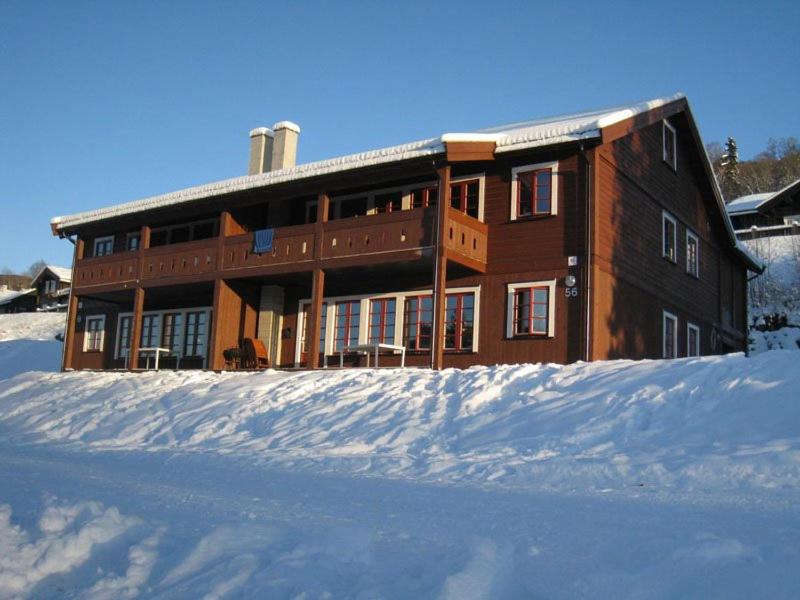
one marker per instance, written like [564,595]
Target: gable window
[459,321]
[692,254]
[381,320]
[669,335]
[692,340]
[104,245]
[424,197]
[534,190]
[668,228]
[95,332]
[531,309]
[669,153]
[348,316]
[50,286]
[418,330]
[465,196]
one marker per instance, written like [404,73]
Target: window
[195,335]
[692,254]
[50,286]
[669,335]
[94,334]
[185,232]
[133,241]
[424,197]
[458,321]
[418,324]
[352,207]
[381,320]
[465,196]
[124,336]
[692,340]
[171,332]
[348,314]
[668,226]
[104,245]
[534,190]
[149,337]
[311,211]
[669,147]
[531,309]
[389,201]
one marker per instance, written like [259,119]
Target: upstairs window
[133,241]
[424,197]
[534,190]
[389,202]
[50,286]
[104,245]
[669,145]
[669,335]
[465,197]
[95,332]
[692,254]
[531,309]
[668,228]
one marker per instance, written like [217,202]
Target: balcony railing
[386,237]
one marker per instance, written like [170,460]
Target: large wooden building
[583,237]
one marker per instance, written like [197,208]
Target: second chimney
[284,149]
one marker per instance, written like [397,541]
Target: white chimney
[284,149]
[261,141]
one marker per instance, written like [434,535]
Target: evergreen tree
[729,167]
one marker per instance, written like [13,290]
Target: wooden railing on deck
[101,270]
[377,234]
[293,244]
[187,258]
[466,236]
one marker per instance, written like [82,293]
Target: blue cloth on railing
[263,241]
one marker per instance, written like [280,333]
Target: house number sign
[571,292]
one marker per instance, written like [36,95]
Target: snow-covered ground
[623,479]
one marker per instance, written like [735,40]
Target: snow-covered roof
[6,297]
[517,136]
[747,204]
[63,273]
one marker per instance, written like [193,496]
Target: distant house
[52,286]
[767,214]
[15,283]
[16,301]
[580,237]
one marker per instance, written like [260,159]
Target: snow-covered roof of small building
[747,204]
[62,273]
[6,297]
[516,136]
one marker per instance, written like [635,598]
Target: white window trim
[666,315]
[100,240]
[691,235]
[160,314]
[664,157]
[363,329]
[101,330]
[690,327]
[553,165]
[665,216]
[511,288]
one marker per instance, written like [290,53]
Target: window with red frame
[307,323]
[458,321]
[389,202]
[464,196]
[531,311]
[381,321]
[418,328]
[348,314]
[534,192]
[424,197]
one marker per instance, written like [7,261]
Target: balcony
[390,237]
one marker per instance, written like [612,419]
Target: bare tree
[34,269]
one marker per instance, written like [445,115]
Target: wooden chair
[255,353]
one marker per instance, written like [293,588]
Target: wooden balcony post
[314,328]
[136,328]
[72,310]
[226,321]
[440,269]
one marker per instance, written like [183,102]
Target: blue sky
[105,102]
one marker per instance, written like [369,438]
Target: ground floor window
[94,334]
[304,328]
[692,340]
[183,332]
[418,330]
[459,320]
[382,320]
[348,315]
[196,332]
[124,336]
[531,309]
[670,335]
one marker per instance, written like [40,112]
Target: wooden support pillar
[314,328]
[72,311]
[226,322]
[440,269]
[136,328]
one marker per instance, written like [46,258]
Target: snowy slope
[620,479]
[27,342]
